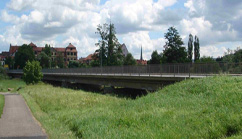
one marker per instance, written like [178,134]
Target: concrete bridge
[149,77]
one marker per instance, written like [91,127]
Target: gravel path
[17,120]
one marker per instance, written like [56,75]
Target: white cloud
[134,41]
[76,21]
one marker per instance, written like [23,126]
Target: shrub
[32,72]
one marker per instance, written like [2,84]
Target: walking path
[17,120]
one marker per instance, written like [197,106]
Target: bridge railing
[183,69]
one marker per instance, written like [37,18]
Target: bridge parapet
[145,77]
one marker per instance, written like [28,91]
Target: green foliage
[190,47]
[231,56]
[155,58]
[74,64]
[206,59]
[10,62]
[109,52]
[100,58]
[174,52]
[115,56]
[196,108]
[129,60]
[237,56]
[59,60]
[2,101]
[25,53]
[32,72]
[196,49]
[45,60]
[3,74]
[47,50]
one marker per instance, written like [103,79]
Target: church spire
[141,55]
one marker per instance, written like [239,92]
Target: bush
[32,72]
[3,74]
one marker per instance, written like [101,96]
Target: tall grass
[1,104]
[11,83]
[199,108]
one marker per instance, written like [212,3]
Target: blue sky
[137,22]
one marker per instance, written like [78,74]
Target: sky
[217,23]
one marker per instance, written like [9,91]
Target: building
[86,60]
[124,50]
[69,53]
[3,57]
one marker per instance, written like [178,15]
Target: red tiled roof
[71,46]
[60,49]
[89,57]
[13,49]
[32,45]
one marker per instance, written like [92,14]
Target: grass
[13,83]
[201,108]
[1,104]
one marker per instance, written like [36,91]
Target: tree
[100,57]
[59,60]
[196,49]
[237,56]
[25,53]
[10,62]
[115,55]
[44,59]
[155,58]
[32,72]
[47,50]
[190,47]
[206,59]
[174,52]
[129,60]
[109,52]
[73,64]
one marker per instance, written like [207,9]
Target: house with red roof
[69,53]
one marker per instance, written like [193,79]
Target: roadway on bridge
[17,120]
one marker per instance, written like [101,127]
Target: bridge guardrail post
[189,70]
[174,70]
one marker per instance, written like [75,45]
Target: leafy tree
[129,60]
[59,60]
[100,58]
[44,59]
[196,49]
[32,72]
[73,64]
[109,52]
[10,62]
[3,73]
[47,50]
[237,56]
[115,55]
[174,52]
[190,47]
[25,53]
[155,58]
[206,59]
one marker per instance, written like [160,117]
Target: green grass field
[14,84]
[1,104]
[201,108]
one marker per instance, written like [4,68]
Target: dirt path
[17,120]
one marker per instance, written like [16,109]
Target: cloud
[134,41]
[44,21]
